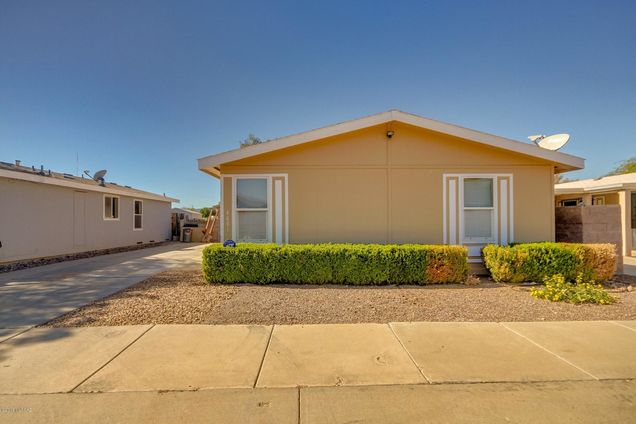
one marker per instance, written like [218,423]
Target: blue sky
[144,88]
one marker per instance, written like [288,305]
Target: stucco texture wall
[363,187]
[39,220]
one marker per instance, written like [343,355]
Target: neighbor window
[598,200]
[111,207]
[138,215]
[571,202]
[252,209]
[479,209]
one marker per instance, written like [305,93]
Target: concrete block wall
[590,224]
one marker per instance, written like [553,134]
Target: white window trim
[268,210]
[233,177]
[450,224]
[106,218]
[221,211]
[140,214]
[494,208]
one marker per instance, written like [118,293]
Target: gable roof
[612,182]
[32,174]
[563,161]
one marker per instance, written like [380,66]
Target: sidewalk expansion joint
[113,358]
[408,353]
[621,325]
[550,352]
[16,334]
[260,368]
[298,405]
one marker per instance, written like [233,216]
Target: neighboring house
[612,190]
[44,213]
[389,178]
[188,214]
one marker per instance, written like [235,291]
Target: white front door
[477,211]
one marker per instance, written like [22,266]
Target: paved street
[378,373]
[32,296]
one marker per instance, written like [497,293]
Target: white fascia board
[79,186]
[605,187]
[210,164]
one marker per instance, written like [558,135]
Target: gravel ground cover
[182,297]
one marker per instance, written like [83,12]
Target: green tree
[251,140]
[205,212]
[624,167]
[559,178]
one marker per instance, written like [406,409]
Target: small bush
[536,261]
[558,290]
[357,264]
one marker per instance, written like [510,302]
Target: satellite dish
[553,142]
[99,175]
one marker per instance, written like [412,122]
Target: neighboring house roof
[563,161]
[190,211]
[35,175]
[613,182]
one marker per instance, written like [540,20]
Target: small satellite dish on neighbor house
[99,175]
[553,142]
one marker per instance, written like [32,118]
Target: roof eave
[208,166]
[606,187]
[34,178]
[564,162]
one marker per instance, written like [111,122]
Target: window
[479,210]
[571,202]
[252,209]
[138,211]
[111,207]
[598,200]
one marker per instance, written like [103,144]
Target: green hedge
[358,264]
[537,261]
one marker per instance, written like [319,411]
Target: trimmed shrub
[536,261]
[356,264]
[556,289]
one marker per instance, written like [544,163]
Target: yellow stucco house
[392,177]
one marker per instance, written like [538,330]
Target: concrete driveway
[629,265]
[32,296]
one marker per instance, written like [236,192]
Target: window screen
[478,208]
[251,193]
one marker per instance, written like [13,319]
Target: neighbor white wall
[37,220]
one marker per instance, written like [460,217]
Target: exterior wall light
[390,133]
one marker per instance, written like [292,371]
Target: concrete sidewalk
[32,296]
[400,372]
